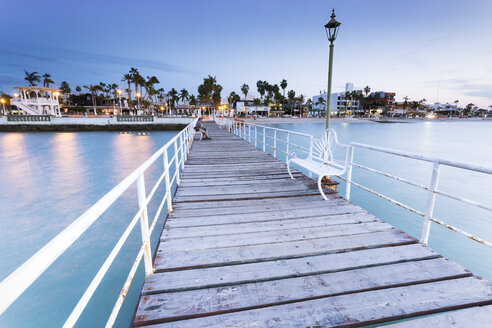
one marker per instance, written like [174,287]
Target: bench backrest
[323,147]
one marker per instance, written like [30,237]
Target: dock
[246,246]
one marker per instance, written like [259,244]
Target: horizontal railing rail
[134,118]
[245,130]
[28,118]
[18,281]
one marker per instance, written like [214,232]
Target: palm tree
[173,97]
[136,79]
[300,99]
[128,78]
[233,97]
[367,90]
[93,89]
[405,102]
[65,88]
[32,78]
[261,86]
[283,85]
[47,80]
[113,89]
[209,91]
[184,95]
[192,101]
[257,101]
[245,89]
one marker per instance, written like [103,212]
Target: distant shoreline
[72,124]
[274,120]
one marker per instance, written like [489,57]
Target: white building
[37,100]
[247,108]
[338,101]
[439,106]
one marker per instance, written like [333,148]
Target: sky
[439,50]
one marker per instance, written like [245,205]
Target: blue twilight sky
[434,49]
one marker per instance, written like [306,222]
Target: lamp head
[332,27]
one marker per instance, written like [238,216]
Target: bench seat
[323,164]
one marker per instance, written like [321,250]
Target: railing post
[244,130]
[183,151]
[349,172]
[310,147]
[165,159]
[256,136]
[249,133]
[310,152]
[176,161]
[287,146]
[275,143]
[144,224]
[431,199]
[264,138]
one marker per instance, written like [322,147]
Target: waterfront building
[341,102]
[437,106]
[380,101]
[34,100]
[247,107]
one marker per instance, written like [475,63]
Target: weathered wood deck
[246,246]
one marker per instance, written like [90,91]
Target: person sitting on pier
[199,127]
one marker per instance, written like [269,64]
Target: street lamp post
[3,104]
[137,95]
[119,92]
[331,28]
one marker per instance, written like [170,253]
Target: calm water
[49,179]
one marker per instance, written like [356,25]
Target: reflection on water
[47,180]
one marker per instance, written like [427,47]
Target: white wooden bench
[198,133]
[321,162]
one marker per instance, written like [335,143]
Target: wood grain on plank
[356,309]
[212,301]
[268,252]
[281,269]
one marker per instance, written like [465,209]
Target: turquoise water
[468,142]
[49,179]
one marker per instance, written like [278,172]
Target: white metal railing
[245,130]
[18,281]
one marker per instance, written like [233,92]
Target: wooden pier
[246,246]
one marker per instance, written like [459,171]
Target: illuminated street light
[2,100]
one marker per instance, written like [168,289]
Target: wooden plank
[272,222]
[219,238]
[219,181]
[476,317]
[301,201]
[233,227]
[224,215]
[212,301]
[245,189]
[239,196]
[282,269]
[270,252]
[356,309]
